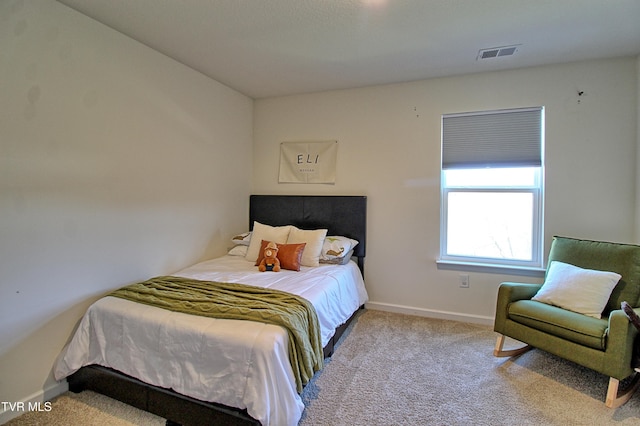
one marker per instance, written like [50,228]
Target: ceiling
[266,48]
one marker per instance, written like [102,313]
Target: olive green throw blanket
[242,302]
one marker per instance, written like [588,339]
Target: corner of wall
[637,203]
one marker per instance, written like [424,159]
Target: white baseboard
[34,402]
[430,313]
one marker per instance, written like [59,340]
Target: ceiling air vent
[497,52]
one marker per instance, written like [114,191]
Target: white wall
[116,164]
[389,150]
[637,234]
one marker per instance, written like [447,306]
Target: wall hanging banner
[308,162]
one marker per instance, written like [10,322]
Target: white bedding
[241,364]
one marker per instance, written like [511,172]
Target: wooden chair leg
[615,400]
[499,352]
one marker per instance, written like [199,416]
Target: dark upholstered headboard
[340,214]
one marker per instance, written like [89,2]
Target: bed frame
[340,215]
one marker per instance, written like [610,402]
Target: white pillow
[239,250]
[338,260]
[336,247]
[585,291]
[277,234]
[314,239]
[241,239]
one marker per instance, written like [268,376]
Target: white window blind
[502,138]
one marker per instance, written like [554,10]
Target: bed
[226,371]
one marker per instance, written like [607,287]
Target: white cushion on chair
[585,291]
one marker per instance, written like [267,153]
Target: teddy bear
[270,261]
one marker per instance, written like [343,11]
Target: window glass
[495,225]
[497,177]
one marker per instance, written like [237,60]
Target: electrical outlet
[464,281]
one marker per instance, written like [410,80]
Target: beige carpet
[396,369]
[87,409]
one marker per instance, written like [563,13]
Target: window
[492,188]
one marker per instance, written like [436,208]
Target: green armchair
[601,344]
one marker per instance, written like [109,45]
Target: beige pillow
[313,239]
[277,234]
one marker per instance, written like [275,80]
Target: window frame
[536,190]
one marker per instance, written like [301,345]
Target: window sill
[490,268]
